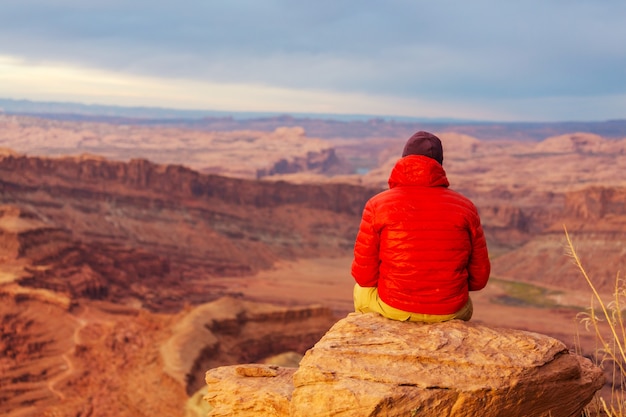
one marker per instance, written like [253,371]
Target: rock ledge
[367,365]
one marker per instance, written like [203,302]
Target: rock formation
[595,218]
[47,257]
[89,226]
[231,330]
[583,143]
[103,359]
[241,153]
[367,365]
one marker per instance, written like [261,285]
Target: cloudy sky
[528,60]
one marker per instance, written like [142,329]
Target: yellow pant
[366,300]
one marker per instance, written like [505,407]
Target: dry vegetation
[605,318]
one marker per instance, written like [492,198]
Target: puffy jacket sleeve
[366,250]
[479,266]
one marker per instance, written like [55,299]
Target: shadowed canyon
[134,257]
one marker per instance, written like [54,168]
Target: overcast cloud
[488,59]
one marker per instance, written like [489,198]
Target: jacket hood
[418,170]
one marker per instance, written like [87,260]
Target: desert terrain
[134,257]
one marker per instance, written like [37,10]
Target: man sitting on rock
[420,247]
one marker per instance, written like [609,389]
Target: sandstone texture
[250,390]
[367,365]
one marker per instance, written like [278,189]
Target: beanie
[424,143]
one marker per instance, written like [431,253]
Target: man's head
[424,143]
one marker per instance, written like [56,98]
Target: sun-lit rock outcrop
[367,365]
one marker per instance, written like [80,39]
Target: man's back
[420,243]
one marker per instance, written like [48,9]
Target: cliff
[366,365]
[109,360]
[595,217]
[86,227]
[230,331]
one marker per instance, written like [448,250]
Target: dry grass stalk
[608,325]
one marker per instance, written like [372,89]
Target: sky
[492,60]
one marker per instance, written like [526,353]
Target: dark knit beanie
[424,143]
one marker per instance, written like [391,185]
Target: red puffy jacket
[421,243]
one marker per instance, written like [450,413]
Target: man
[420,247]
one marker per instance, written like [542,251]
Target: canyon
[121,244]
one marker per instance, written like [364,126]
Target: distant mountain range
[58,109]
[315,124]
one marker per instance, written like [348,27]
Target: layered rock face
[230,330]
[596,221]
[107,360]
[36,254]
[367,365]
[87,227]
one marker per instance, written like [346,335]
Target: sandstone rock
[253,390]
[367,365]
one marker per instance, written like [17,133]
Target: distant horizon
[75,108]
